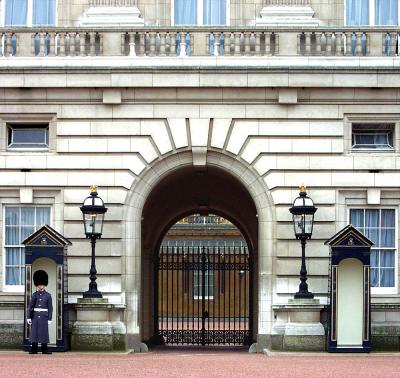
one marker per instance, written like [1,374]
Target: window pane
[44,12]
[357,12]
[16,11]
[387,238]
[12,215]
[387,218]
[386,12]
[374,277]
[12,235]
[42,216]
[374,258]
[28,216]
[13,276]
[13,256]
[214,12]
[387,277]
[29,135]
[386,259]
[26,231]
[357,218]
[185,12]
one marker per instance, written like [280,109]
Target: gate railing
[199,41]
[204,295]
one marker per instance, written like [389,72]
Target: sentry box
[46,249]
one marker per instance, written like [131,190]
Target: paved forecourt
[197,362]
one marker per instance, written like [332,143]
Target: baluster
[87,44]
[169,44]
[157,44]
[216,45]
[363,44]
[61,42]
[67,44]
[222,44]
[257,46]
[237,44]
[152,44]
[358,44]
[333,44]
[8,47]
[211,43]
[162,44]
[47,44]
[188,40]
[267,43]
[82,44]
[301,42]
[72,45]
[132,45]
[92,43]
[182,46]
[56,44]
[252,44]
[387,44]
[178,43]
[321,46]
[36,44]
[344,43]
[353,44]
[232,39]
[274,43]
[142,47]
[246,43]
[77,44]
[307,44]
[98,40]
[3,43]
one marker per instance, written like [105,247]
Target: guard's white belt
[40,309]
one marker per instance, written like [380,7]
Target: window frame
[25,126]
[199,274]
[371,20]
[29,16]
[199,21]
[16,288]
[384,290]
[381,149]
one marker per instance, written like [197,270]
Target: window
[28,136]
[198,284]
[372,136]
[372,12]
[200,12]
[20,222]
[30,12]
[379,225]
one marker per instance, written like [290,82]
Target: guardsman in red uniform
[40,312]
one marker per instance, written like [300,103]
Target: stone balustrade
[113,3]
[288,2]
[201,41]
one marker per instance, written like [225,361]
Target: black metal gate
[204,295]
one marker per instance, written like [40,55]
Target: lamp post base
[92,294]
[304,295]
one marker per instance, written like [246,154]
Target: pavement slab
[198,362]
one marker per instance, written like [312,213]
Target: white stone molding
[112,16]
[287,13]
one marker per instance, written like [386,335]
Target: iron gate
[204,295]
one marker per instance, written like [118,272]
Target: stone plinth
[298,326]
[98,325]
[287,15]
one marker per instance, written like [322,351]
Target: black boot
[34,348]
[45,350]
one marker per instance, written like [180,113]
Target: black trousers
[34,348]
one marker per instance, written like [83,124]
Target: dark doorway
[204,284]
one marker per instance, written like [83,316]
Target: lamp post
[93,211]
[302,211]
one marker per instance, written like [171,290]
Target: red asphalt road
[197,363]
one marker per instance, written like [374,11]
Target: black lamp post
[303,210]
[93,211]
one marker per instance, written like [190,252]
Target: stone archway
[138,280]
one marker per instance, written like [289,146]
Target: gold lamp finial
[303,188]
[93,189]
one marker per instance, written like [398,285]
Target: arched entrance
[185,191]
[172,188]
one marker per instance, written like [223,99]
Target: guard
[40,313]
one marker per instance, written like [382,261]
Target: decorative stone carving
[287,13]
[112,14]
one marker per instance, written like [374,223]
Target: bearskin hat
[40,277]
